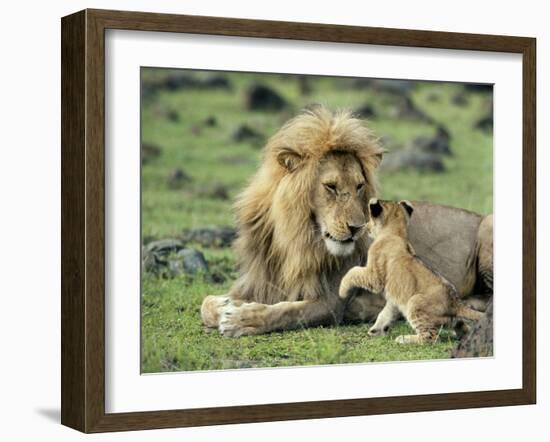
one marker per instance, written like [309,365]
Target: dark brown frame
[83,216]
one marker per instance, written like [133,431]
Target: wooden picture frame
[83,220]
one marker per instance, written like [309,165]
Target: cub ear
[289,159]
[375,208]
[407,206]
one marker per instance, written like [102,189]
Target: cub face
[385,215]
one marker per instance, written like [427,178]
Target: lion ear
[407,206]
[289,159]
[375,208]
[379,156]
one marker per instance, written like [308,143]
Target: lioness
[410,287]
[301,223]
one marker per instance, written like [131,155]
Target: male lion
[411,288]
[301,228]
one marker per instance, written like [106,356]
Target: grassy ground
[172,335]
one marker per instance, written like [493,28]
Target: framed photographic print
[268,221]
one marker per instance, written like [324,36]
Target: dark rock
[393,87]
[304,85]
[181,80]
[164,246]
[211,236]
[218,191]
[479,341]
[178,179]
[173,116]
[433,97]
[155,254]
[193,261]
[216,82]
[358,83]
[263,98]
[167,114]
[149,152]
[485,122]
[244,133]
[152,263]
[210,121]
[405,109]
[438,144]
[443,133]
[168,258]
[459,99]
[412,160]
[365,111]
[479,87]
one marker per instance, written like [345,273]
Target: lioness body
[300,230]
[426,299]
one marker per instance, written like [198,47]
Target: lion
[425,298]
[301,223]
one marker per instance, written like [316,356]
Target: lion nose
[354,229]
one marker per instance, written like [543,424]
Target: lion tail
[466,312]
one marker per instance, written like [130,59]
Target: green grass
[173,338]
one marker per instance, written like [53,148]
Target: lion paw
[211,309]
[242,320]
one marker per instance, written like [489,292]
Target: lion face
[339,202]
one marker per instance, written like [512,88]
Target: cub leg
[364,277]
[385,319]
[425,318]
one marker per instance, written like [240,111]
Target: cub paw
[350,281]
[376,331]
[407,339]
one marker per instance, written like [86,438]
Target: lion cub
[425,298]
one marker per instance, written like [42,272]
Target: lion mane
[280,254]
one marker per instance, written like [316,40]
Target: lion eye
[360,186]
[331,187]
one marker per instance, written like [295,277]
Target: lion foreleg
[213,306]
[254,318]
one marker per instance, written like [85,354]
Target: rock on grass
[168,258]
[437,144]
[149,152]
[404,108]
[192,261]
[412,160]
[485,121]
[211,236]
[365,111]
[177,179]
[264,98]
[164,246]
[217,191]
[245,133]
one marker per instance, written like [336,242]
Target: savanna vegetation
[202,134]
